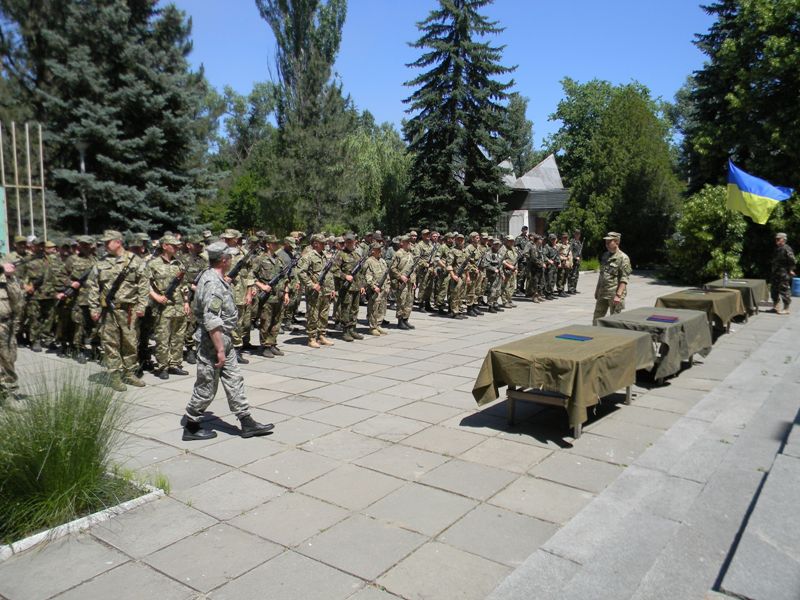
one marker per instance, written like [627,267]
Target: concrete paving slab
[229,495]
[337,392]
[625,431]
[152,526]
[390,428]
[649,417]
[542,499]
[378,401]
[576,471]
[402,461]
[499,535]
[505,454]
[29,576]
[372,593]
[420,508]
[410,390]
[297,431]
[131,581]
[441,571]
[290,519]
[427,412]
[344,445]
[238,452]
[212,557]
[136,453]
[340,416]
[290,576]
[296,406]
[468,479]
[291,468]
[186,470]
[362,546]
[617,451]
[443,440]
[351,487]
[550,571]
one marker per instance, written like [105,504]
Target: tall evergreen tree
[113,75]
[458,118]
[518,147]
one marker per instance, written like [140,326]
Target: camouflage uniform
[494,277]
[510,285]
[10,304]
[83,328]
[118,327]
[455,292]
[286,255]
[48,276]
[550,267]
[473,251]
[270,311]
[374,271]
[424,278]
[240,287]
[614,269]
[318,303]
[195,264]
[783,263]
[404,292]
[348,295]
[169,320]
[577,250]
[214,307]
[564,265]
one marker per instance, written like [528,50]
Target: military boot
[114,381]
[355,334]
[37,347]
[346,336]
[240,358]
[265,351]
[325,341]
[191,356]
[133,380]
[312,343]
[374,332]
[251,427]
[401,324]
[492,309]
[409,325]
[275,350]
[193,431]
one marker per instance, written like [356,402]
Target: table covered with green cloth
[753,291]
[679,340]
[722,305]
[583,371]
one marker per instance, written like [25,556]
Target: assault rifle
[70,292]
[245,262]
[324,273]
[354,271]
[115,285]
[173,285]
[462,267]
[284,272]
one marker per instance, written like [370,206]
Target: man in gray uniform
[217,317]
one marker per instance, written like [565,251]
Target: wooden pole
[41,177]
[16,175]
[30,181]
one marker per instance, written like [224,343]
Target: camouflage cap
[318,237]
[50,244]
[378,232]
[261,234]
[551,236]
[144,237]
[85,239]
[405,238]
[424,231]
[338,239]
[349,237]
[564,234]
[169,239]
[194,238]
[412,233]
[270,239]
[458,235]
[207,233]
[376,246]
[111,234]
[484,234]
[231,234]
[377,236]
[576,230]
[474,234]
[613,235]
[396,239]
[289,241]
[449,234]
[509,238]
[495,241]
[20,239]
[780,236]
[253,239]
[216,250]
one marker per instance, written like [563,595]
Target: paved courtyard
[382,479]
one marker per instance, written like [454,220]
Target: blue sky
[617,40]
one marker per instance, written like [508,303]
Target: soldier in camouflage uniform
[510,268]
[335,248]
[350,287]
[484,247]
[472,274]
[169,295]
[402,276]
[550,266]
[10,304]
[118,322]
[242,289]
[564,264]
[270,311]
[80,266]
[215,312]
[456,258]
[194,262]
[319,291]
[494,275]
[424,247]
[287,255]
[19,257]
[612,285]
[441,277]
[45,279]
[576,246]
[783,263]
[536,267]
[376,280]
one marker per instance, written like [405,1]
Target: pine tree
[458,119]
[113,75]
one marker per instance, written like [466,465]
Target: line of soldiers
[128,302]
[550,268]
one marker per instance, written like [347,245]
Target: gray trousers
[208,378]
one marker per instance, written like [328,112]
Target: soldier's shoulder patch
[215,305]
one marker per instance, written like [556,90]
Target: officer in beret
[217,317]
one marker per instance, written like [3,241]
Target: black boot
[191,357]
[265,351]
[251,427]
[442,311]
[477,310]
[275,350]
[356,335]
[177,371]
[401,324]
[192,431]
[409,325]
[492,309]
[242,360]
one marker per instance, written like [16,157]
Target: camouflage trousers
[471,288]
[509,287]
[493,289]
[243,325]
[290,309]
[424,285]
[781,289]
[348,307]
[604,305]
[119,337]
[455,294]
[574,274]
[41,321]
[317,306]
[269,324]
[191,326]
[440,290]
[8,356]
[404,297]
[376,309]
[562,273]
[550,280]
[208,378]
[169,333]
[82,327]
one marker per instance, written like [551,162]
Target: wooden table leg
[628,395]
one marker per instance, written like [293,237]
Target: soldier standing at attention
[403,281]
[440,274]
[215,311]
[783,263]
[319,291]
[511,268]
[494,275]
[565,265]
[79,265]
[164,273]
[10,304]
[192,258]
[266,267]
[473,274]
[123,273]
[350,287]
[286,255]
[612,285]
[377,284]
[424,247]
[242,291]
[456,284]
[46,277]
[576,246]
[550,266]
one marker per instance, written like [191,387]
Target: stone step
[665,527]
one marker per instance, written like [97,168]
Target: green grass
[55,453]
[590,264]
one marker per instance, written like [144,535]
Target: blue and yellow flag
[752,196]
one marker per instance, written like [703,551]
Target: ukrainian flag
[752,196]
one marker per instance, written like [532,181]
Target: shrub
[590,264]
[55,454]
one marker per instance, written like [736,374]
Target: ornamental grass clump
[55,450]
